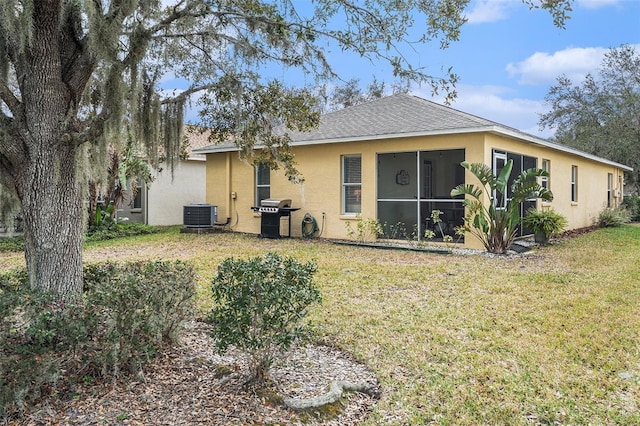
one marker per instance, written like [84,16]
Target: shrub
[545,222]
[260,305]
[632,204]
[366,230]
[120,230]
[440,228]
[609,217]
[28,368]
[127,312]
[145,301]
[13,281]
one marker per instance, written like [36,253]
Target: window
[545,180]
[609,190]
[136,187]
[351,184]
[263,182]
[499,161]
[520,163]
[574,184]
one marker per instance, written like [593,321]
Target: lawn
[552,337]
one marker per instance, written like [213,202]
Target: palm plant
[496,223]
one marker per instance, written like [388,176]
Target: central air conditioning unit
[200,215]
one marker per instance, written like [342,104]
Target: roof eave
[558,147]
[465,130]
[217,148]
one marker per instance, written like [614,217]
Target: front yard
[552,337]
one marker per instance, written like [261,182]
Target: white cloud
[493,103]
[486,11]
[483,11]
[543,68]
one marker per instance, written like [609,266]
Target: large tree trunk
[51,208]
[46,181]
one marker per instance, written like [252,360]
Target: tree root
[333,395]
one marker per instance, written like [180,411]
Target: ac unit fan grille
[200,215]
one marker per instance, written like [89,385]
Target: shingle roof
[404,115]
[393,115]
[197,140]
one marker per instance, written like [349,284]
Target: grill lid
[270,202]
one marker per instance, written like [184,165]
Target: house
[161,202]
[396,160]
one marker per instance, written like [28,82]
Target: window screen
[351,184]
[545,180]
[574,184]
[263,182]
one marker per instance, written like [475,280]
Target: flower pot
[540,237]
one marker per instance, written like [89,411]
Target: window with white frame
[499,162]
[545,180]
[574,184]
[351,184]
[609,190]
[263,182]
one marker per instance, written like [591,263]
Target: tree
[121,184]
[601,115]
[350,93]
[491,217]
[75,73]
[347,95]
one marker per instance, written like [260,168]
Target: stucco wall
[166,197]
[592,180]
[320,193]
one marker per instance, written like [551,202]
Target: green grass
[549,338]
[11,244]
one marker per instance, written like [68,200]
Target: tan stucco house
[396,159]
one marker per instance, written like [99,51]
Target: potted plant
[544,223]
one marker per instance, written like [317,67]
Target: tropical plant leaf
[545,194]
[528,190]
[496,225]
[533,173]
[503,178]
[482,172]
[469,189]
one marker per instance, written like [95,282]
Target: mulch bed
[576,232]
[189,384]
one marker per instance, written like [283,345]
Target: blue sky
[508,56]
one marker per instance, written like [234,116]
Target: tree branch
[92,131]
[12,150]
[7,172]
[333,395]
[10,100]
[190,91]
[142,36]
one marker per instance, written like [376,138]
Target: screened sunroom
[411,185]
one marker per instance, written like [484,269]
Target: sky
[508,57]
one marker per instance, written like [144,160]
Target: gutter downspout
[228,186]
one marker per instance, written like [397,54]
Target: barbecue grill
[271,211]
